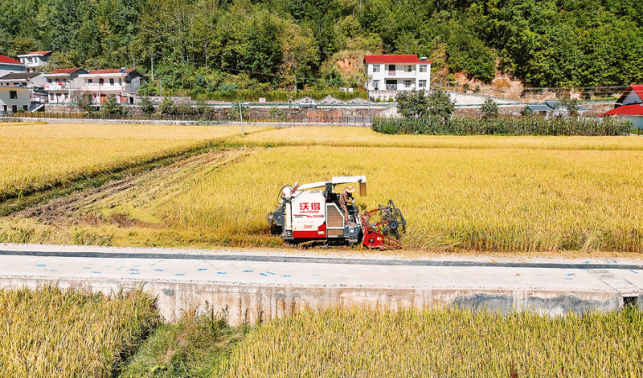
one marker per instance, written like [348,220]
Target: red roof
[7,60]
[633,109]
[95,72]
[65,70]
[39,53]
[637,88]
[392,59]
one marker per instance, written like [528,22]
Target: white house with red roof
[10,65]
[62,83]
[630,106]
[390,74]
[34,59]
[122,83]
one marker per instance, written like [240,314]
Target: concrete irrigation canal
[260,285]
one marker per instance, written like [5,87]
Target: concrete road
[258,284]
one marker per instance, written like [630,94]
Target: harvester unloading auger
[314,212]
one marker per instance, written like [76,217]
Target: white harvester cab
[313,211]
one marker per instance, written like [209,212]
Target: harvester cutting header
[316,212]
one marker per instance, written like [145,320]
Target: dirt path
[140,191]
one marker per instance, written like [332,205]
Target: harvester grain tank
[314,212]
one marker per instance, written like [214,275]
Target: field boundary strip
[318,260]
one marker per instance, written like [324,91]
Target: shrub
[168,106]
[503,126]
[489,109]
[146,106]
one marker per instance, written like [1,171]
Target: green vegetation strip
[526,125]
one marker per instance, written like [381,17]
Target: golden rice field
[53,333]
[453,199]
[35,156]
[441,343]
[364,137]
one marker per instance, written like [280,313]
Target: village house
[34,60]
[390,74]
[553,108]
[34,81]
[61,84]
[630,106]
[122,83]
[14,99]
[10,65]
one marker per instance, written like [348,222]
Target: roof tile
[392,59]
[6,59]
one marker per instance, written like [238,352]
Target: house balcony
[57,86]
[95,87]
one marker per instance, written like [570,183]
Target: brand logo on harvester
[308,207]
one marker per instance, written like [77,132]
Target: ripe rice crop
[365,137]
[36,156]
[441,343]
[504,125]
[53,333]
[453,199]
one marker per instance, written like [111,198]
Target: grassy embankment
[480,193]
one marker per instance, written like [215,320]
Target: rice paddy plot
[473,199]
[35,156]
[54,333]
[441,343]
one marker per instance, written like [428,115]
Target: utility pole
[152,57]
[241,115]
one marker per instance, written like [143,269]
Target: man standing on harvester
[346,198]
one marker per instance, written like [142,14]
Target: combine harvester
[314,212]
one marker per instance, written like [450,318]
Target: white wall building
[35,59]
[390,74]
[122,84]
[9,65]
[14,99]
[62,83]
[35,81]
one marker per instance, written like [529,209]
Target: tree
[83,100]
[489,109]
[440,105]
[572,105]
[168,106]
[238,107]
[146,106]
[412,104]
[113,107]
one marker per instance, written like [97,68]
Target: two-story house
[34,60]
[10,65]
[62,83]
[390,74]
[14,100]
[123,84]
[34,81]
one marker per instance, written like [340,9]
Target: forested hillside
[199,44]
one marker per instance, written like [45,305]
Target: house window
[101,81]
[120,81]
[51,97]
[376,84]
[376,68]
[13,95]
[25,107]
[422,67]
[66,96]
[49,81]
[409,68]
[422,84]
[111,82]
[407,83]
